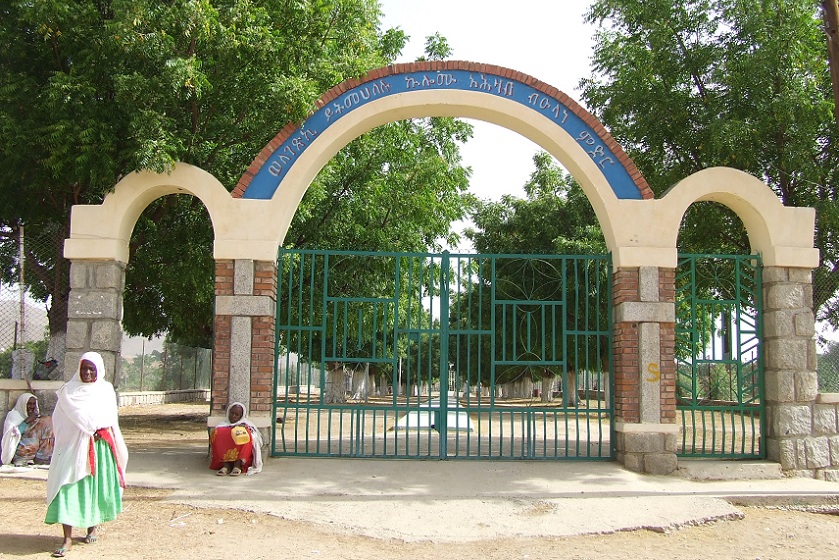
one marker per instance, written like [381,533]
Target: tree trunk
[334,390]
[56,349]
[569,390]
[371,381]
[361,383]
[548,379]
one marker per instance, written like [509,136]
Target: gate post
[645,369]
[243,349]
[94,314]
[800,429]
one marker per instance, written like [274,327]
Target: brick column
[645,369]
[802,430]
[94,314]
[221,340]
[243,353]
[262,342]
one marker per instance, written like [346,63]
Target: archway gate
[443,356]
[640,231]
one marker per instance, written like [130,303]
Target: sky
[546,39]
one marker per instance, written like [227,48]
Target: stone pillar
[94,314]
[800,428]
[243,351]
[645,369]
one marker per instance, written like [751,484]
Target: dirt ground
[152,528]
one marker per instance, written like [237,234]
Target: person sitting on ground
[27,435]
[236,444]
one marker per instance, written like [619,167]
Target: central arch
[287,165]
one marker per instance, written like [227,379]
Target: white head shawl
[256,436]
[11,432]
[82,409]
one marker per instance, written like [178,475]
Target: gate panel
[718,350]
[444,356]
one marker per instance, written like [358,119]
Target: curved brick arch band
[270,167]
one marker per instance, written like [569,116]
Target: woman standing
[85,482]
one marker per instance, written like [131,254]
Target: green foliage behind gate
[440,355]
[719,390]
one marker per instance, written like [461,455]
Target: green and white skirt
[93,499]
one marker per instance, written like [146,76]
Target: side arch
[782,235]
[103,231]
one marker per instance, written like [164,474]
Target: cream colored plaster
[626,428]
[103,231]
[467,104]
[782,235]
[638,232]
[647,232]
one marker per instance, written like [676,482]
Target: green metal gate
[405,355]
[719,390]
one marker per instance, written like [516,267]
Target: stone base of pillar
[647,448]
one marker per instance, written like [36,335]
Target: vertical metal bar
[445,268]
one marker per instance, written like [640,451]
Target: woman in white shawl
[236,451]
[84,487]
[27,436]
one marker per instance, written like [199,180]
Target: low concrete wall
[816,455]
[11,389]
[129,398]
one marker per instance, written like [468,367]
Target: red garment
[225,450]
[108,436]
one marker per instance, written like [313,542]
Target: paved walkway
[467,500]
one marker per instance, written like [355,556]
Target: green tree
[92,91]
[397,188]
[554,218]
[741,83]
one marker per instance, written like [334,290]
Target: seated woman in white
[27,435]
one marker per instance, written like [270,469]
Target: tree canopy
[93,91]
[742,83]
[555,217]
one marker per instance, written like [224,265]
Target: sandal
[59,552]
[90,538]
[236,471]
[224,471]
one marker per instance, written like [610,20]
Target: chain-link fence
[164,366]
[824,285]
[31,269]
[25,350]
